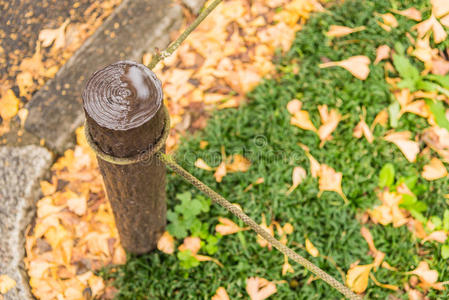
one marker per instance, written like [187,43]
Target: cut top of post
[122,96]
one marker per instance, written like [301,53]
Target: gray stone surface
[194,5]
[136,26]
[20,171]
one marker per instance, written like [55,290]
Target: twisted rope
[169,161]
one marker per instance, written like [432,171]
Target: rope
[168,160]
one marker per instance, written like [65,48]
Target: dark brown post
[125,117]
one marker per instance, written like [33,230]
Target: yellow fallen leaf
[226,227]
[329,122]
[220,294]
[408,147]
[339,31]
[220,172]
[431,24]
[381,119]
[201,164]
[203,144]
[286,267]
[48,36]
[237,163]
[47,188]
[357,278]
[294,106]
[411,13]
[357,65]
[298,175]
[6,283]
[382,52]
[311,248]
[9,105]
[259,288]
[302,120]
[389,20]
[329,180]
[166,243]
[439,236]
[434,170]
[440,7]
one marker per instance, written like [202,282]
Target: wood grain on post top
[123,107]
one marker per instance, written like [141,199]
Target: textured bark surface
[137,191]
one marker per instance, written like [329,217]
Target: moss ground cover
[261,131]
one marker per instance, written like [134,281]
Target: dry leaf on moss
[440,7]
[201,164]
[357,65]
[191,243]
[329,180]
[294,106]
[311,248]
[357,278]
[298,175]
[425,274]
[382,52]
[226,227]
[237,163]
[220,172]
[259,288]
[439,236]
[434,170]
[220,294]
[286,267]
[6,283]
[302,120]
[166,243]
[381,119]
[329,122]
[389,211]
[411,13]
[260,240]
[339,31]
[437,138]
[362,129]
[431,24]
[408,147]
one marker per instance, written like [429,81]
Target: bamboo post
[125,117]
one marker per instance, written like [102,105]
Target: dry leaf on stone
[382,52]
[298,175]
[6,283]
[411,13]
[357,278]
[220,294]
[434,170]
[339,31]
[311,248]
[329,180]
[166,243]
[357,65]
[259,288]
[402,139]
[226,227]
[48,36]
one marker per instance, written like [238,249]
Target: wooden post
[125,116]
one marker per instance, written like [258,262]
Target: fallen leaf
[6,283]
[389,20]
[389,211]
[166,243]
[357,65]
[439,236]
[311,248]
[259,288]
[381,119]
[201,164]
[402,139]
[119,257]
[339,31]
[314,165]
[383,285]
[440,7]
[302,120]
[220,172]
[78,205]
[431,24]
[286,267]
[366,234]
[434,170]
[220,294]
[411,13]
[48,36]
[237,163]
[191,243]
[260,240]
[329,122]
[415,295]
[226,227]
[9,105]
[425,274]
[382,52]
[357,277]
[363,129]
[298,175]
[329,180]
[437,138]
[294,106]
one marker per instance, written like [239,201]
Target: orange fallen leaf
[439,236]
[166,243]
[431,24]
[329,180]
[411,13]
[311,248]
[357,65]
[48,36]
[302,120]
[201,164]
[220,294]
[314,165]
[382,52]
[434,170]
[298,175]
[329,122]
[408,147]
[339,31]
[259,288]
[9,105]
[6,283]
[357,277]
[226,227]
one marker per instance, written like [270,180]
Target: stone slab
[21,168]
[136,26]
